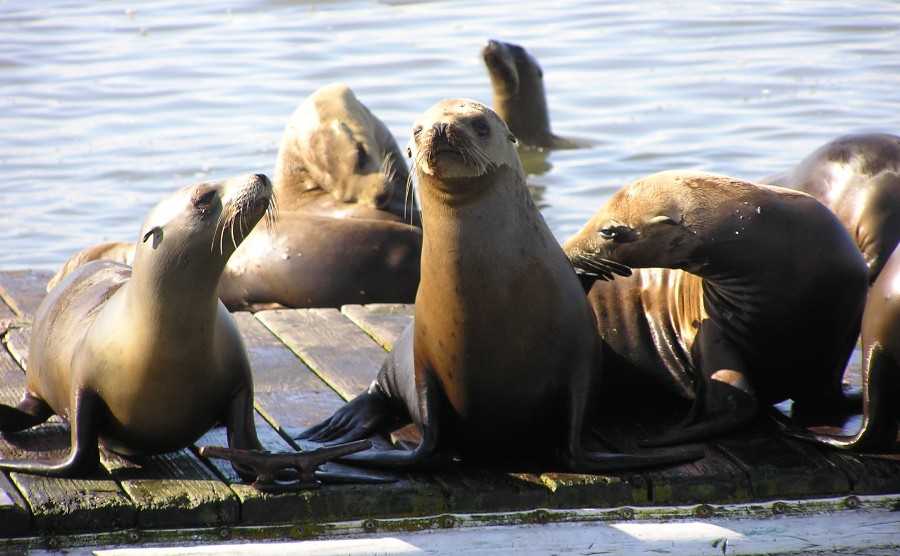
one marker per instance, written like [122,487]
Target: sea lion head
[204,222]
[462,139]
[333,142]
[662,220]
[517,81]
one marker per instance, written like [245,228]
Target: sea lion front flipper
[241,429]
[84,455]
[29,412]
[360,417]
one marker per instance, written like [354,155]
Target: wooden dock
[306,363]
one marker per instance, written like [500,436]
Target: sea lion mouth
[243,208]
[598,267]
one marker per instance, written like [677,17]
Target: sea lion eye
[481,127]
[416,131]
[619,234]
[362,157]
[203,200]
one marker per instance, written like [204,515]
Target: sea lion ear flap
[408,152]
[157,234]
[671,216]
[512,139]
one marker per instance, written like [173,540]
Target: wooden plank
[23,290]
[712,479]
[779,467]
[15,517]
[384,322]
[173,490]
[95,503]
[292,397]
[325,340]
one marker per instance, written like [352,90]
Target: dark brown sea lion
[146,359]
[338,159]
[501,357]
[519,97]
[857,177]
[747,295]
[880,368]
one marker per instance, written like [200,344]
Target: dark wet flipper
[355,420]
[30,412]
[295,470]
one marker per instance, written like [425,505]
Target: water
[106,107]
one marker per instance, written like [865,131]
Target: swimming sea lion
[519,98]
[146,359]
[501,357]
[857,177]
[755,297]
[338,159]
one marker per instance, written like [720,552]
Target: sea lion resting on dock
[857,177]
[146,359]
[344,232]
[756,296]
[501,358]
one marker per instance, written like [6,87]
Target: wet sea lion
[857,177]
[880,368]
[501,357]
[146,359]
[519,97]
[755,297]
[338,159]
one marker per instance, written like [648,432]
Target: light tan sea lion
[746,295]
[146,359]
[502,358]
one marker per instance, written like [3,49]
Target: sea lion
[344,233]
[146,359]
[880,369]
[519,98]
[117,251]
[501,357]
[307,260]
[857,177]
[338,159]
[746,295]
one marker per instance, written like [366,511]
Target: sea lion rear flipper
[878,430]
[84,455]
[730,403]
[29,412]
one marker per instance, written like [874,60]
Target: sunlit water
[106,107]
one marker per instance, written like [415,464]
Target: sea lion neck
[457,193]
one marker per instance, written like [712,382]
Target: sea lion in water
[880,369]
[501,357]
[857,177]
[338,159]
[755,297]
[146,359]
[519,97]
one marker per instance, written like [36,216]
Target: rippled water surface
[106,107]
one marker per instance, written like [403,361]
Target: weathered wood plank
[326,340]
[95,503]
[292,397]
[15,517]
[383,321]
[173,490]
[23,290]
[712,479]
[779,467]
